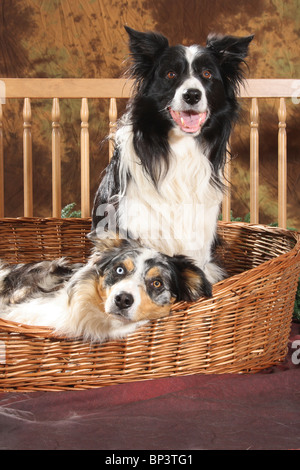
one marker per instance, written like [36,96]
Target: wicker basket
[244,328]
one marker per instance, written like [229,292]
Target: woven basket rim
[267,228]
[233,281]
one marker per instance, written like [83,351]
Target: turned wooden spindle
[254,162]
[27,159]
[85,160]
[56,160]
[282,164]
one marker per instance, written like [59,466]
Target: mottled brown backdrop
[86,38]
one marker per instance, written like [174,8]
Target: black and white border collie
[122,286]
[164,182]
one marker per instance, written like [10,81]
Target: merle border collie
[164,184]
[121,287]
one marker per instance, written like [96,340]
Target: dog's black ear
[229,46]
[147,44]
[231,52]
[144,48]
[191,282]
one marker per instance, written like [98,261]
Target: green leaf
[68,212]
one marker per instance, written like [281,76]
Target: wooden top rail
[67,87]
[121,88]
[269,88]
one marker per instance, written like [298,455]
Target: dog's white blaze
[190,53]
[191,82]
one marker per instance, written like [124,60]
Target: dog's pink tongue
[188,121]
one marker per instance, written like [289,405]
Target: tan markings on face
[149,310]
[193,279]
[90,294]
[129,265]
[101,291]
[153,272]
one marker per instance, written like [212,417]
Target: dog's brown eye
[157,284]
[206,74]
[171,75]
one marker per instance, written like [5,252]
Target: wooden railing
[120,88]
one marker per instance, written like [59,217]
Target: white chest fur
[181,216]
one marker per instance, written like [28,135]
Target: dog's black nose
[192,96]
[124,300]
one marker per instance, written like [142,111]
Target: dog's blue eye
[120,270]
